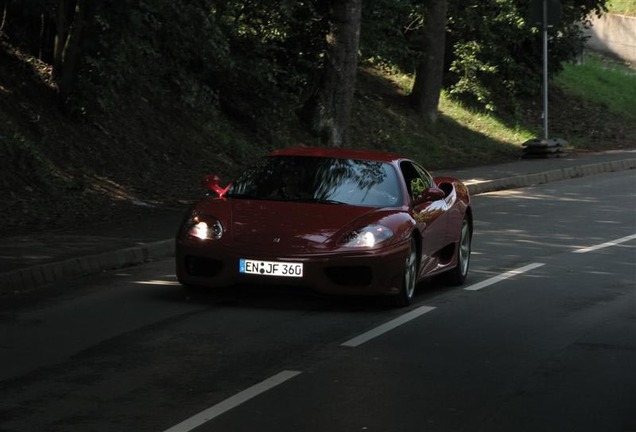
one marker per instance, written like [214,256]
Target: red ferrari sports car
[338,221]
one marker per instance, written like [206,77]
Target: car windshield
[320,180]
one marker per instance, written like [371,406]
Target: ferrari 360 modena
[337,221]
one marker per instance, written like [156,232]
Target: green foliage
[388,36]
[468,66]
[143,50]
[249,59]
[493,55]
[258,61]
[276,47]
[489,41]
[496,54]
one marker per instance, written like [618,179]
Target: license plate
[270,268]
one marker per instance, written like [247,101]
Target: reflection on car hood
[289,225]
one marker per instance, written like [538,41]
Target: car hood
[291,225]
[286,225]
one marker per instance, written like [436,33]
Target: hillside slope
[62,168]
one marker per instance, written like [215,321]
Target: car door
[429,214]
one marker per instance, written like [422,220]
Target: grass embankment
[603,82]
[591,105]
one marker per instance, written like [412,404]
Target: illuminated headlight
[205,228]
[368,236]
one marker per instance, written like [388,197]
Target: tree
[430,70]
[495,53]
[70,22]
[330,107]
[390,33]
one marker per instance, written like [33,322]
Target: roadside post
[544,13]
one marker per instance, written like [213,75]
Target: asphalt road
[541,338]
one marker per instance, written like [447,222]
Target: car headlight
[368,236]
[205,228]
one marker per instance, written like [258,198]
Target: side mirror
[212,183]
[430,194]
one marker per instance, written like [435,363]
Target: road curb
[526,180]
[30,278]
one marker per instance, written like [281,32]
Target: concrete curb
[30,278]
[526,180]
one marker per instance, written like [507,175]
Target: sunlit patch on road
[158,282]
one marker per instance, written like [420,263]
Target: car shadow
[294,298]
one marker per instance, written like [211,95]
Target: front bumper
[368,272]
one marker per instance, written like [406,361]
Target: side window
[427,179]
[416,178]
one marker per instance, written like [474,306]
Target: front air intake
[204,267]
[350,275]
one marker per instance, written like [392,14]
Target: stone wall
[615,35]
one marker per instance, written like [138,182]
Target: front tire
[457,276]
[405,297]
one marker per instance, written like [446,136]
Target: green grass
[622,7]
[461,137]
[487,124]
[591,106]
[604,82]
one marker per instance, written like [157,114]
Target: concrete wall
[614,34]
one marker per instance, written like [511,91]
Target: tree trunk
[330,108]
[61,34]
[4,17]
[72,17]
[430,71]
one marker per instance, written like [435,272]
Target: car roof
[338,153]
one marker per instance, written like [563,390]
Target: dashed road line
[232,402]
[242,397]
[388,326]
[503,276]
[606,244]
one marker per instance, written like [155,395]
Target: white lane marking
[503,276]
[388,326]
[604,245]
[232,402]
